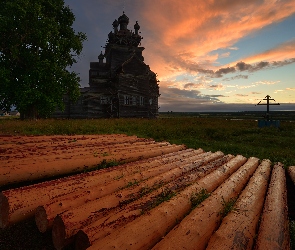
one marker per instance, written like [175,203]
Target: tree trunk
[31,113]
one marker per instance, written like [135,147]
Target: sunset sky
[210,55]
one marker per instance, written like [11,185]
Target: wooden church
[120,83]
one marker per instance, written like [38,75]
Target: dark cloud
[193,85]
[241,66]
[235,77]
[221,71]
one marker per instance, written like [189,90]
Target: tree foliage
[37,45]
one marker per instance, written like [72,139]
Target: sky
[209,55]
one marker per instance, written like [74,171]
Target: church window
[141,100]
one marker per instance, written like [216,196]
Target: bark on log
[238,228]
[197,228]
[121,216]
[46,213]
[273,230]
[145,231]
[76,218]
[19,204]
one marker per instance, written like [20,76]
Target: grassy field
[211,134]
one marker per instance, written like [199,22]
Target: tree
[37,46]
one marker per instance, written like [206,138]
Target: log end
[4,211]
[82,241]
[41,219]
[58,233]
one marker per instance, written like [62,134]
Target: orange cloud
[180,34]
[281,52]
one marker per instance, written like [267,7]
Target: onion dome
[101,56]
[123,21]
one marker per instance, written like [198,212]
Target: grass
[198,198]
[212,134]
[228,206]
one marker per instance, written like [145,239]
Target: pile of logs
[146,201]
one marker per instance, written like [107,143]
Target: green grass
[228,206]
[198,198]
[212,134]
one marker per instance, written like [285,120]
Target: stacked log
[238,228]
[42,167]
[273,230]
[145,231]
[87,193]
[119,217]
[78,217]
[19,204]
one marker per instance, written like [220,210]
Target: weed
[228,206]
[95,154]
[102,165]
[74,140]
[119,177]
[165,195]
[197,198]
[105,154]
[132,183]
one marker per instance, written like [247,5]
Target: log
[291,172]
[238,228]
[20,203]
[79,153]
[197,228]
[113,219]
[145,231]
[38,170]
[24,156]
[78,217]
[45,214]
[273,230]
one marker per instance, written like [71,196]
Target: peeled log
[145,231]
[19,204]
[119,217]
[291,172]
[42,169]
[23,151]
[79,217]
[45,214]
[197,227]
[238,228]
[273,231]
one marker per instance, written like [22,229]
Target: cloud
[235,77]
[293,89]
[280,55]
[217,86]
[194,30]
[267,82]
